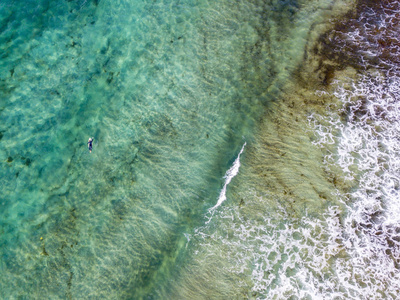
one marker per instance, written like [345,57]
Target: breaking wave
[229,175]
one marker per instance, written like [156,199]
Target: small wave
[232,172]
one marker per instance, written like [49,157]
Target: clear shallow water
[171,91]
[304,224]
[303,237]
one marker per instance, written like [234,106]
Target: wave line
[232,172]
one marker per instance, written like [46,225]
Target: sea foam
[229,175]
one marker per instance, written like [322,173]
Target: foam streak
[232,172]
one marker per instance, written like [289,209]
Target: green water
[170,91]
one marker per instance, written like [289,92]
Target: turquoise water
[171,91]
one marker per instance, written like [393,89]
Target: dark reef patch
[335,52]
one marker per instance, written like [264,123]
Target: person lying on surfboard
[90,145]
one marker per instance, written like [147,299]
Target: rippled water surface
[219,170]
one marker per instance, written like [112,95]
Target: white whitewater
[229,175]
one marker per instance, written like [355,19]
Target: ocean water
[242,150]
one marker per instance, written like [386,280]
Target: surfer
[90,145]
